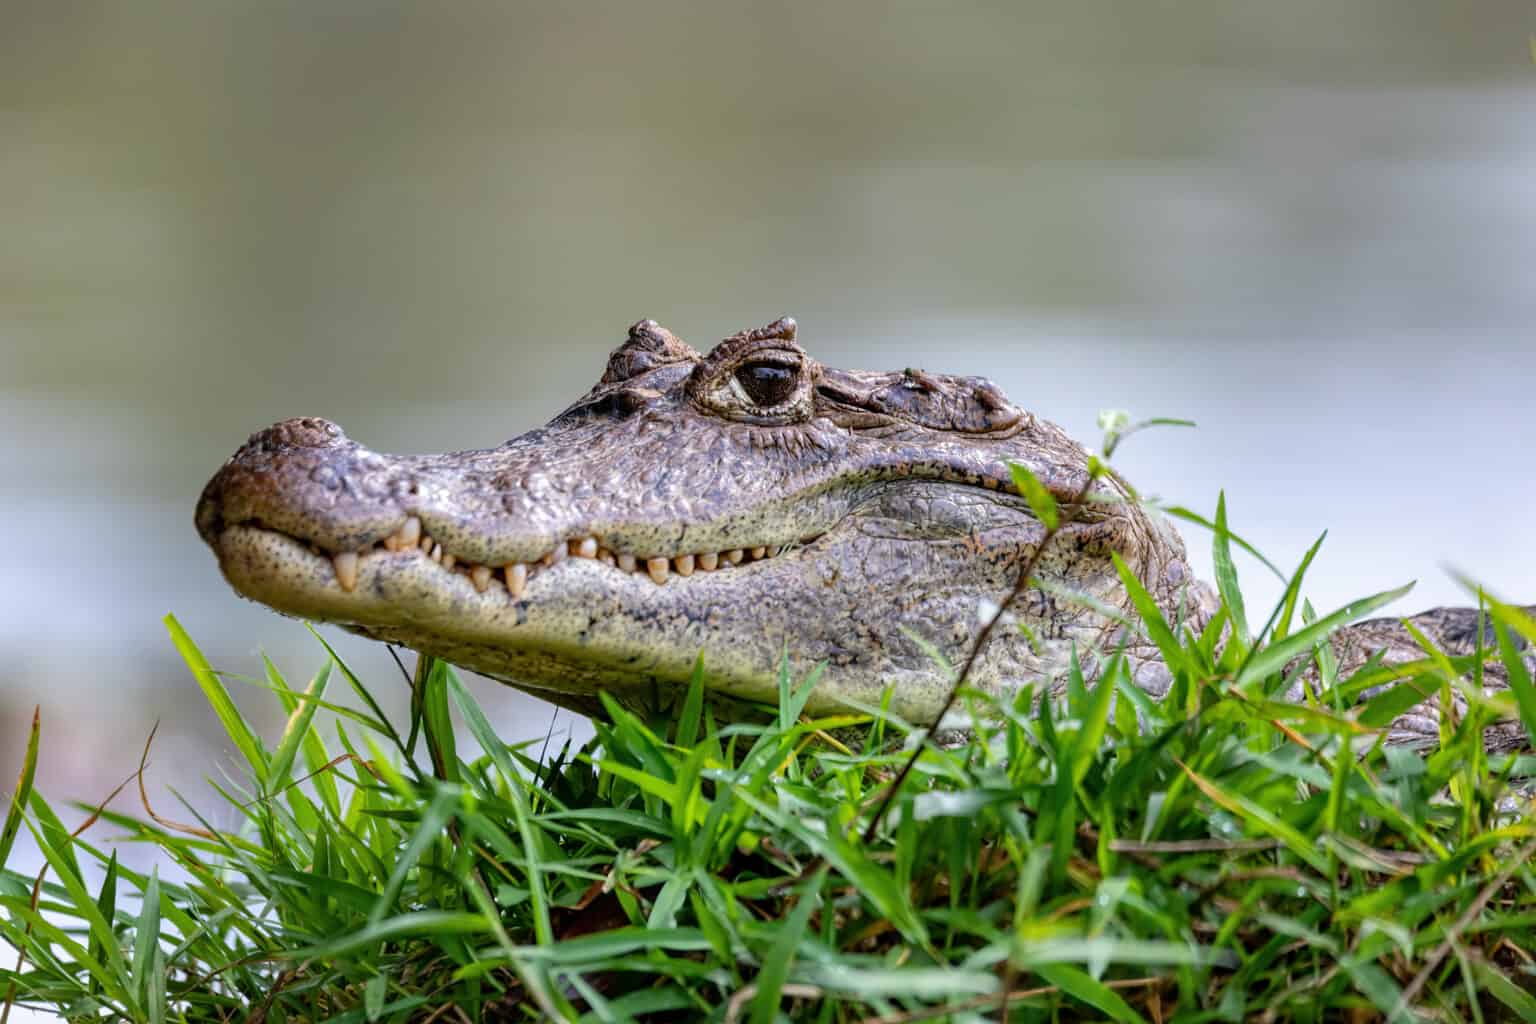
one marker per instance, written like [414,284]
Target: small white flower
[986,610]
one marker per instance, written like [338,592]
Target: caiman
[750,504]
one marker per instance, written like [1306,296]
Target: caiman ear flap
[649,345]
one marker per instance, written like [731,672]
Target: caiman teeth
[410,537]
[517,579]
[410,533]
[404,538]
[346,570]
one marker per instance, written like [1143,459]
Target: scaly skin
[880,505]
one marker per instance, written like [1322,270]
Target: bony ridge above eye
[760,377]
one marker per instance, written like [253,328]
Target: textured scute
[886,499]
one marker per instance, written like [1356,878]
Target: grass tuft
[1094,854]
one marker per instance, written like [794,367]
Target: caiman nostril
[303,432]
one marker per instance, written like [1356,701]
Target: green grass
[1214,855]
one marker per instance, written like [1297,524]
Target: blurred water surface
[1309,227]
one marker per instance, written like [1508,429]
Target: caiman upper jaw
[305,480]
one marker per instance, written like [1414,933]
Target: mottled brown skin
[1453,630]
[887,497]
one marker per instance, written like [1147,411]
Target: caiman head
[749,505]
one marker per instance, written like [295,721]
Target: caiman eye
[767,383]
[759,377]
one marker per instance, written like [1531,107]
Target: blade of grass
[296,729]
[1262,817]
[1151,617]
[1081,986]
[84,907]
[428,831]
[218,697]
[414,924]
[1279,619]
[1520,683]
[106,902]
[1041,503]
[23,793]
[146,939]
[1190,516]
[1226,572]
[436,722]
[363,694]
[775,970]
[693,706]
[1275,656]
[480,727]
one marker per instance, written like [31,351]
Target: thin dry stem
[1026,572]
[997,999]
[1467,916]
[793,990]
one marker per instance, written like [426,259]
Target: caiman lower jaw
[580,627]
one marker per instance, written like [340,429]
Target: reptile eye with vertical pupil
[767,383]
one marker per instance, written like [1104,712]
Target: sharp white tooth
[659,569]
[683,564]
[584,548]
[437,552]
[480,576]
[346,570]
[410,533]
[627,563]
[517,579]
[759,552]
[736,556]
[709,561]
[449,561]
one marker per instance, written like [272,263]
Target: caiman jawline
[515,575]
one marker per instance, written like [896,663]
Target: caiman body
[749,504]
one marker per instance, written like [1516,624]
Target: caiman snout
[304,477]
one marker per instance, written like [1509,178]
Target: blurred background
[1310,227]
